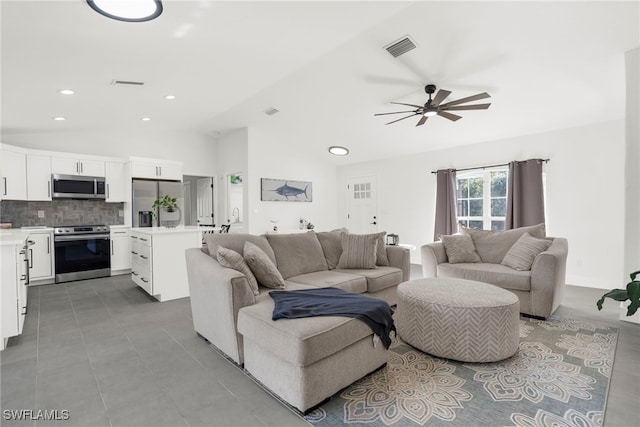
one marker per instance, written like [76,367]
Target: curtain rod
[487,166]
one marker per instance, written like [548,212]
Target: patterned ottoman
[458,319]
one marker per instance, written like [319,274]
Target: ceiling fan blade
[395,112]
[449,116]
[467,107]
[402,118]
[422,120]
[408,105]
[482,95]
[440,96]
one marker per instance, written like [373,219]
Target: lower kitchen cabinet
[13,288]
[41,257]
[158,263]
[120,250]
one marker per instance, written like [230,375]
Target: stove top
[81,229]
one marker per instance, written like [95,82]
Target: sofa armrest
[432,254]
[217,294]
[400,257]
[548,274]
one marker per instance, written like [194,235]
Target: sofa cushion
[495,274]
[235,242]
[358,251]
[379,278]
[262,267]
[460,248]
[333,279]
[524,251]
[300,342]
[232,259]
[331,242]
[492,246]
[297,253]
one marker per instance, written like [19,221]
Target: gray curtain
[525,197]
[446,218]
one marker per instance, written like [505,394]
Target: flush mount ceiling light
[146,119]
[337,150]
[59,119]
[128,10]
[170,97]
[66,92]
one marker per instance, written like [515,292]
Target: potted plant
[168,204]
[631,293]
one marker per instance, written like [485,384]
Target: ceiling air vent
[401,46]
[271,111]
[126,83]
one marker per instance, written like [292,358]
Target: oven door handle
[80,237]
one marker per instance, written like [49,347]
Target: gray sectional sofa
[538,288]
[306,360]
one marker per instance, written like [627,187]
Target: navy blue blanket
[335,302]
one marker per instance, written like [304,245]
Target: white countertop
[164,230]
[13,236]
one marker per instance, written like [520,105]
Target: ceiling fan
[434,107]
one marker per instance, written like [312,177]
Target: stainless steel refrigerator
[145,192]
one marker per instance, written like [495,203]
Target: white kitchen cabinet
[158,263]
[38,177]
[77,166]
[120,250]
[114,179]
[40,254]
[13,288]
[13,168]
[156,169]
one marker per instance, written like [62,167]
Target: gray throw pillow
[331,242]
[262,267]
[492,246]
[232,259]
[358,251]
[381,249]
[297,253]
[460,248]
[522,254]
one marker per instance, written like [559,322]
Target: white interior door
[362,205]
[205,201]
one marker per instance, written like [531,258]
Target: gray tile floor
[112,356]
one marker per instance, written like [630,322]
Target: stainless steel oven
[82,252]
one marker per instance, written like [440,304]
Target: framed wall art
[282,190]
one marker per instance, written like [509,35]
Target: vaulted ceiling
[547,65]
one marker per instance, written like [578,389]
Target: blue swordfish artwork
[288,191]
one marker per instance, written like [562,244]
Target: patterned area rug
[559,377]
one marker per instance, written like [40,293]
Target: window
[362,191]
[482,199]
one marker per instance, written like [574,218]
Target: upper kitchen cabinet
[13,170]
[114,179]
[156,169]
[76,166]
[38,177]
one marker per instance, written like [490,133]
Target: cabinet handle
[135,253]
[134,237]
[78,167]
[48,244]
[5,185]
[81,167]
[112,247]
[143,239]
[23,277]
[134,273]
[145,281]
[24,313]
[119,232]
[48,188]
[160,168]
[144,257]
[31,258]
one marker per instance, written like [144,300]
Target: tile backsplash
[61,212]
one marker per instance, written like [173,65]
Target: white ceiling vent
[401,46]
[126,83]
[271,111]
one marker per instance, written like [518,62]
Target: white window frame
[485,174]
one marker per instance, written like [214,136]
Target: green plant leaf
[634,274]
[633,290]
[615,294]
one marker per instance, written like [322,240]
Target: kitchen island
[158,262]
[14,281]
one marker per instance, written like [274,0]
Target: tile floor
[112,356]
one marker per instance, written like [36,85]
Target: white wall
[269,158]
[585,190]
[195,150]
[632,166]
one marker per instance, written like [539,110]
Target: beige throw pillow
[460,248]
[262,267]
[232,259]
[358,251]
[381,249]
[492,246]
[522,254]
[331,242]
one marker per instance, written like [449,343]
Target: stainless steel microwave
[77,187]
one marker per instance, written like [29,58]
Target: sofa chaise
[492,256]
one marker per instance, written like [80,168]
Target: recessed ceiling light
[170,97]
[146,119]
[128,11]
[337,150]
[66,92]
[59,119]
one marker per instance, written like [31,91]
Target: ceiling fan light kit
[435,107]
